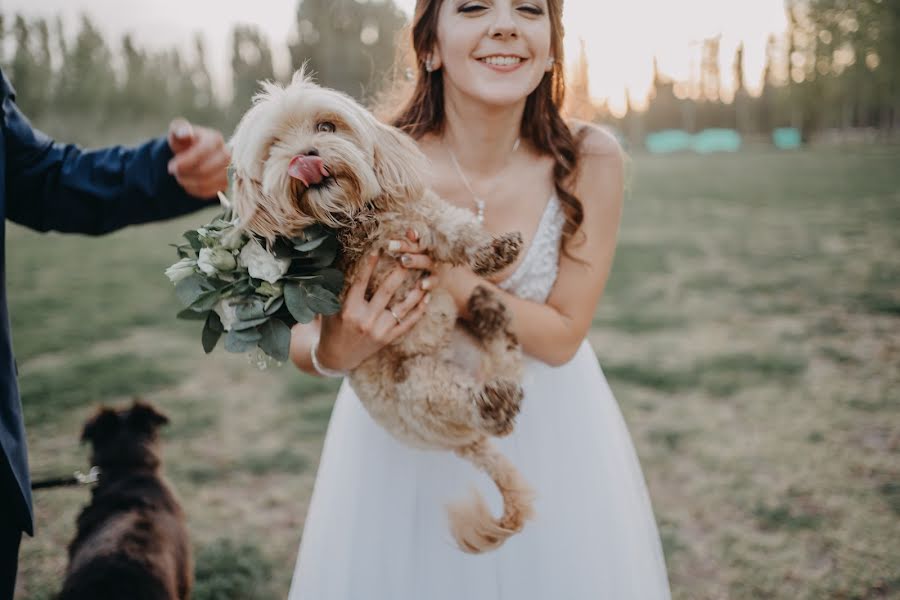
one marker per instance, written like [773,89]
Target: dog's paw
[488,316]
[501,253]
[498,403]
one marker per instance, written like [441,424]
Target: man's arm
[51,186]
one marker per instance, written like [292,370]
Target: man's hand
[200,164]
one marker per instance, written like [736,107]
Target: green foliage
[227,570]
[250,293]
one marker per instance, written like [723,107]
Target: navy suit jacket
[49,186]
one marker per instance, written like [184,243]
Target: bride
[485,110]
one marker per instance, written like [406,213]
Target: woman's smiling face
[494,51]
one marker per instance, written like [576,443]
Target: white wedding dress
[377,526]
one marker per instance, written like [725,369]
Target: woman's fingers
[422,262]
[409,321]
[401,309]
[357,291]
[398,247]
[386,290]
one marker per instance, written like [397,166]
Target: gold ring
[393,314]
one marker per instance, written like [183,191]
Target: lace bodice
[534,277]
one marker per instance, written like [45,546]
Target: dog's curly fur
[132,541]
[442,385]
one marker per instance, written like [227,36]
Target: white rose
[212,260]
[262,265]
[232,239]
[227,311]
[183,268]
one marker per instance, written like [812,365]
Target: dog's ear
[145,418]
[399,166]
[101,427]
[250,207]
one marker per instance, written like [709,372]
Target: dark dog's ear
[145,418]
[101,427]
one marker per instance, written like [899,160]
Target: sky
[621,36]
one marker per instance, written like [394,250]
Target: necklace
[479,203]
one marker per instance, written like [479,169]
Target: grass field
[750,331]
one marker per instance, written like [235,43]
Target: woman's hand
[363,327]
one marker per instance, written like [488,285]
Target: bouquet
[253,293]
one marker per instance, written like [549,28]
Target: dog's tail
[474,527]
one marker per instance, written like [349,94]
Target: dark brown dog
[132,541]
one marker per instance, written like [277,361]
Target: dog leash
[77,478]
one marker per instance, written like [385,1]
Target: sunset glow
[621,37]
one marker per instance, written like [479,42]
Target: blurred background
[750,328]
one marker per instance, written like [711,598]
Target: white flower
[212,260]
[261,264]
[227,311]
[232,238]
[183,268]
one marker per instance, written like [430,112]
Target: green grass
[748,331]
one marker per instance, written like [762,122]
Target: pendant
[480,213]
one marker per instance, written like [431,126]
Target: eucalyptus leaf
[190,289]
[276,339]
[236,343]
[252,309]
[193,239]
[206,301]
[212,331]
[330,279]
[248,335]
[309,245]
[295,297]
[190,314]
[273,305]
[241,325]
[321,300]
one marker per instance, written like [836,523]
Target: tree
[87,79]
[349,45]
[251,62]
[578,102]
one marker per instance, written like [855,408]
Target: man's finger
[188,160]
[212,168]
[181,135]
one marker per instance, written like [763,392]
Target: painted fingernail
[426,284]
[415,235]
[183,131]
[394,246]
[405,260]
[427,298]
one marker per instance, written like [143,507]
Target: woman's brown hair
[542,125]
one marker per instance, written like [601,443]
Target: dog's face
[305,154]
[125,437]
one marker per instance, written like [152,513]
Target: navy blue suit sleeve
[51,186]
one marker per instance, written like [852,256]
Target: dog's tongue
[310,170]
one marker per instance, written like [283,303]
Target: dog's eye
[325,127]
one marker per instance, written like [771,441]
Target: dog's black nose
[310,152]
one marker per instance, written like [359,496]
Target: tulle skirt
[377,526]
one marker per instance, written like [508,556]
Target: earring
[429,64]
[550,61]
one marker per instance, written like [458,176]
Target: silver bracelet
[317,366]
